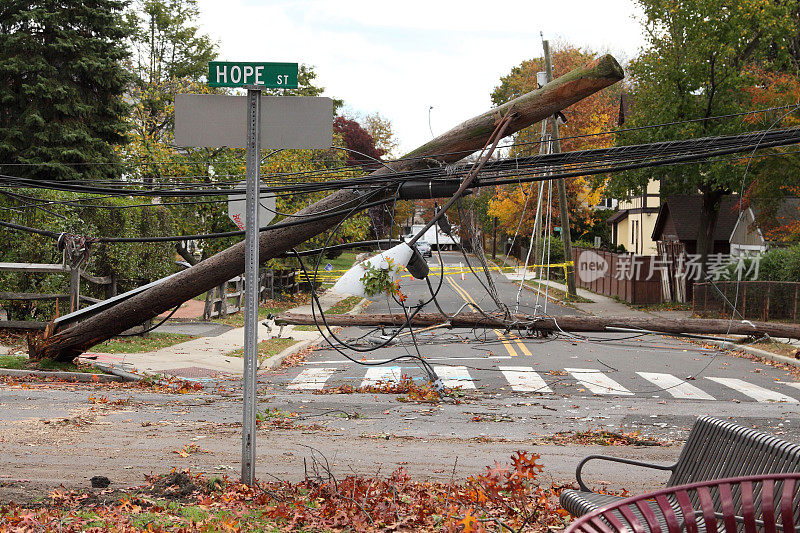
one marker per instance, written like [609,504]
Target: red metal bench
[767,502]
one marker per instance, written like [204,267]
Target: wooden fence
[218,300]
[633,278]
[74,297]
[756,300]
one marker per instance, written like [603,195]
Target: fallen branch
[697,326]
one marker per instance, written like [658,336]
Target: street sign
[241,74]
[237,207]
[238,122]
[213,120]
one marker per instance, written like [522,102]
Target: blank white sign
[211,120]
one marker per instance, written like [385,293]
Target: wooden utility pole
[448,148]
[580,323]
[562,189]
[494,237]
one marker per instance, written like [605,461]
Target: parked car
[424,248]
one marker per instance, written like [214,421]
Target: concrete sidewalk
[207,358]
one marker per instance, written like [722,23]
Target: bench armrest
[616,460]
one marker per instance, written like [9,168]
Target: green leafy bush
[132,263]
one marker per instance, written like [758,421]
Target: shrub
[70,213]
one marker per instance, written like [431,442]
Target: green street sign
[239,74]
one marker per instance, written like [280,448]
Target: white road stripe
[597,382]
[380,375]
[675,386]
[455,376]
[524,379]
[340,361]
[759,394]
[312,378]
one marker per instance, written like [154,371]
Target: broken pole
[693,326]
[449,147]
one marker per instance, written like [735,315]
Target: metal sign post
[212,120]
[253,160]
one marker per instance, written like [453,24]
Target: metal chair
[767,502]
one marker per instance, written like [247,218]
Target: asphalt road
[652,369]
[506,394]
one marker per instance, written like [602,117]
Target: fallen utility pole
[448,148]
[694,326]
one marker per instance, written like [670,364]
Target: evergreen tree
[61,88]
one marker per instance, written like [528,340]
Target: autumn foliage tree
[776,177]
[515,205]
[362,152]
[696,65]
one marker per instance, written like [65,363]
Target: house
[679,220]
[632,226]
[754,230]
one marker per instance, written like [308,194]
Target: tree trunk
[696,326]
[709,212]
[447,148]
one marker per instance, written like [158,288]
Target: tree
[694,66]
[380,129]
[166,43]
[61,86]
[776,177]
[170,56]
[363,153]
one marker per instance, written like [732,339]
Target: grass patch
[13,362]
[339,308]
[274,307]
[343,306]
[557,294]
[780,348]
[267,348]
[20,362]
[343,262]
[137,344]
[665,306]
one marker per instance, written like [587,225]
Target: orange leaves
[772,89]
[470,523]
[506,493]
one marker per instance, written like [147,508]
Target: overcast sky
[400,58]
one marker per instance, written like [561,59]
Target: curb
[276,360]
[756,351]
[74,376]
[124,375]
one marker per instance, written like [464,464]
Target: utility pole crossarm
[447,148]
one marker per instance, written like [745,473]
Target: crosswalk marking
[759,394]
[312,378]
[792,384]
[597,382]
[380,375]
[675,386]
[455,376]
[524,379]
